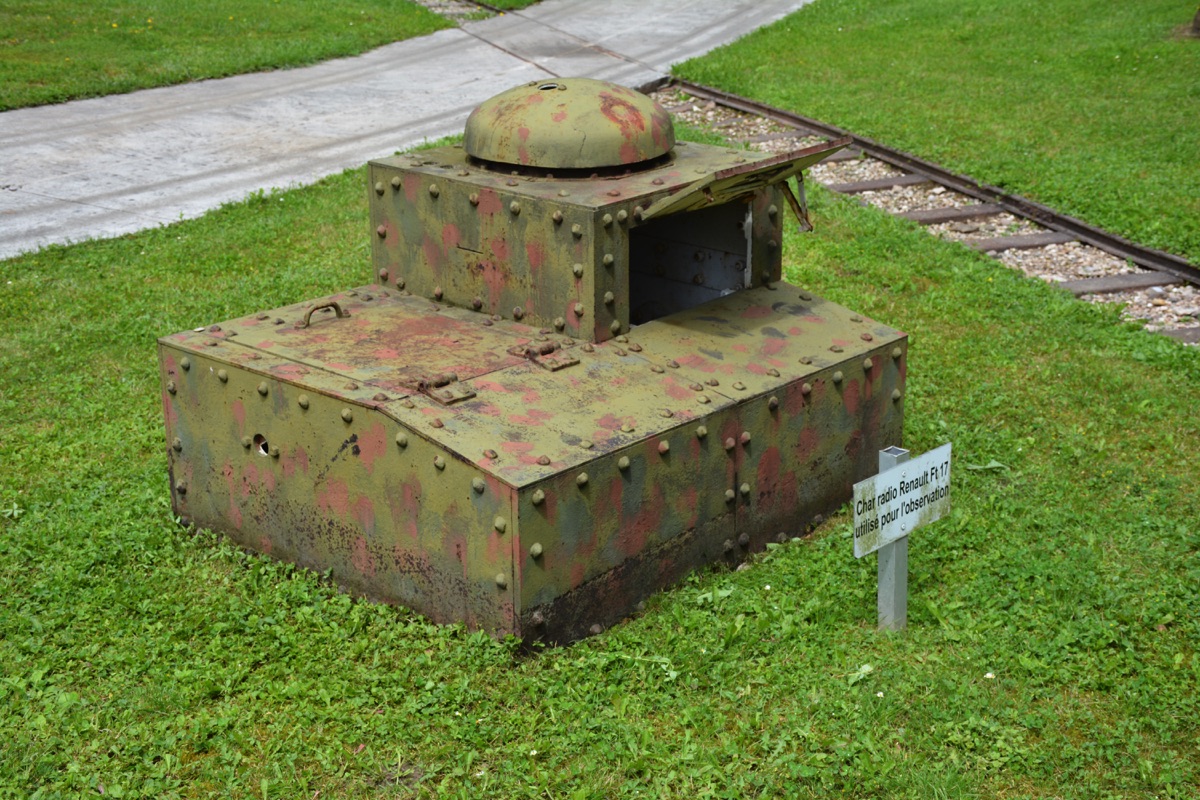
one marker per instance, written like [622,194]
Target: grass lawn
[1054,615]
[56,50]
[1087,105]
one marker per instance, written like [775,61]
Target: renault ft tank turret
[575,374]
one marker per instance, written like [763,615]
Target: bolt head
[478,485]
[581,479]
[701,432]
[623,463]
[274,451]
[744,540]
[867,364]
[396,183]
[539,497]
[729,495]
[381,231]
[181,486]
[744,489]
[500,524]
[729,443]
[402,440]
[347,415]
[535,550]
[246,442]
[501,580]
[544,460]
[837,376]
[263,388]
[514,207]
[439,462]
[434,191]
[302,401]
[557,217]
[745,437]
[177,444]
[664,447]
[577,231]
[578,309]
[806,389]
[186,363]
[897,394]
[222,376]
[773,403]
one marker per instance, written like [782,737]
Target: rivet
[608,260]
[577,231]
[396,183]
[744,539]
[587,347]
[434,191]
[627,428]
[609,298]
[657,181]
[837,376]
[302,401]
[729,542]
[478,485]
[664,447]
[673,364]
[606,220]
[729,443]
[438,293]
[514,207]
[774,373]
[563,193]
[739,385]
[535,551]
[656,368]
[263,388]
[379,187]
[855,318]
[537,618]
[511,182]
[176,444]
[473,198]
[222,376]
[462,173]
[622,216]
[439,462]
[713,382]
[246,442]
[581,479]
[805,359]
[703,399]
[477,303]
[578,309]
[666,412]
[635,347]
[701,432]
[596,630]
[896,352]
[437,423]
[501,580]
[615,326]
[695,387]
[544,460]
[559,323]
[383,275]
[402,439]
[274,451]
[181,487]
[614,192]
[772,212]
[637,210]
[745,490]
[518,312]
[730,495]
[745,438]
[773,403]
[347,415]
[538,497]
[557,217]
[399,283]
[623,463]
[492,454]
[578,270]
[835,348]
[772,244]
[896,394]
[500,524]
[867,365]
[866,337]
[186,363]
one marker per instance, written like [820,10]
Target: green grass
[56,50]
[152,661]
[1087,105]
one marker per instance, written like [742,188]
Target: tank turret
[574,375]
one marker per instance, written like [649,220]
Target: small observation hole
[261,446]
[547,87]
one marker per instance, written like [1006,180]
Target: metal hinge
[547,355]
[445,388]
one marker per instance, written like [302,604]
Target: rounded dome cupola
[570,124]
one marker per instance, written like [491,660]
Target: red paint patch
[372,444]
[294,461]
[451,236]
[536,254]
[265,544]
[334,498]
[852,397]
[756,312]
[534,419]
[361,557]
[773,347]
[489,202]
[677,392]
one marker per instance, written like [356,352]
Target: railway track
[1091,263]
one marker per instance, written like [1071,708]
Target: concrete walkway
[113,165]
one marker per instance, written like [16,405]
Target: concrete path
[113,165]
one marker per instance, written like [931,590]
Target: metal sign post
[887,507]
[892,601]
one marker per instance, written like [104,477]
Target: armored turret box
[575,375]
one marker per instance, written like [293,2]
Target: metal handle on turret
[331,304]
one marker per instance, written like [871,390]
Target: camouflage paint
[474,438]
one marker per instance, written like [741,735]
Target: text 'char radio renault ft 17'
[577,376]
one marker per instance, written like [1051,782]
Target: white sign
[892,504]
